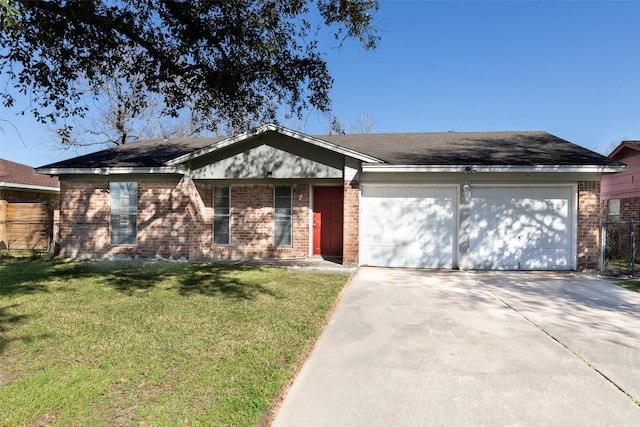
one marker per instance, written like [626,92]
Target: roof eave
[19,186]
[621,149]
[484,169]
[179,169]
[274,128]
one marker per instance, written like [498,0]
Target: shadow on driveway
[421,347]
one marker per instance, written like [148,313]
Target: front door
[327,221]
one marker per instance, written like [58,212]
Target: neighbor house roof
[625,149]
[412,151]
[17,175]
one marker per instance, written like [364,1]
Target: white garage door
[408,226]
[521,228]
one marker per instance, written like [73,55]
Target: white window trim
[129,245]
[213,220]
[275,216]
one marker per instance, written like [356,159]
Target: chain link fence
[618,250]
[17,237]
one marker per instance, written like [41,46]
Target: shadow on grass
[30,277]
[22,277]
[216,280]
[133,278]
[8,319]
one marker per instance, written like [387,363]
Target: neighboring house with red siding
[469,200]
[29,203]
[621,192]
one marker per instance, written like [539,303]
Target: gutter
[113,170]
[387,168]
[29,187]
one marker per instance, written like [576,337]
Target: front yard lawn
[633,284]
[110,344]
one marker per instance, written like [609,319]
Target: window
[614,209]
[282,217]
[221,215]
[123,215]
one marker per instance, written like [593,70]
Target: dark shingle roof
[438,148]
[147,153]
[472,148]
[17,173]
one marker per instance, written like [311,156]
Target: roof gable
[267,160]
[277,129]
[625,149]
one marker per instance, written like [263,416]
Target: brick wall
[629,209]
[165,218]
[252,225]
[84,217]
[175,219]
[589,215]
[351,228]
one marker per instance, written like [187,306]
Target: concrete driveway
[418,347]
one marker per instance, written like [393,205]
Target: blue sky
[571,68]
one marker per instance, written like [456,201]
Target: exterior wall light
[466,192]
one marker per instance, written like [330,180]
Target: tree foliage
[242,60]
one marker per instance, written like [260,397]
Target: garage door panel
[526,228]
[408,226]
[546,259]
[412,255]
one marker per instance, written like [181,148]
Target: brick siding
[175,219]
[84,218]
[351,225]
[629,209]
[589,215]
[252,224]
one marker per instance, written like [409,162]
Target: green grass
[633,284]
[104,343]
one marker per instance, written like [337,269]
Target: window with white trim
[221,215]
[283,216]
[123,213]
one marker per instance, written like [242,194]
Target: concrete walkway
[416,348]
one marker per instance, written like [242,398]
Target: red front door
[327,221]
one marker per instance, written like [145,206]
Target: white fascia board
[275,128]
[29,187]
[465,168]
[112,170]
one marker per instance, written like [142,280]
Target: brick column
[589,215]
[3,227]
[351,213]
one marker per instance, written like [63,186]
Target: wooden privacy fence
[27,226]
